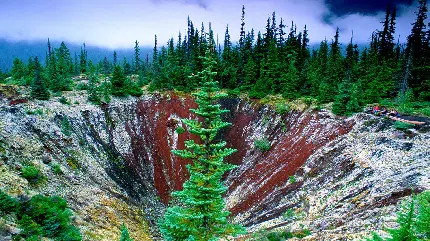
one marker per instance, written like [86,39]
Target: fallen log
[406,121]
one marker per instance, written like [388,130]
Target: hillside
[342,178]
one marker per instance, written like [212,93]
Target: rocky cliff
[343,176]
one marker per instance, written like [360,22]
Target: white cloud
[117,24]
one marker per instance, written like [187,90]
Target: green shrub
[56,169]
[405,109]
[37,111]
[125,236]
[287,235]
[73,163]
[47,217]
[282,108]
[262,144]
[135,90]
[41,216]
[289,214]
[302,233]
[180,130]
[292,179]
[66,128]
[82,86]
[283,127]
[424,111]
[32,174]
[273,236]
[8,204]
[403,126]
[234,92]
[63,100]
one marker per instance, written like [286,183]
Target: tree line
[275,61]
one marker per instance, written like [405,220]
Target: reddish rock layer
[261,178]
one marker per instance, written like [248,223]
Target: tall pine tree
[38,88]
[202,215]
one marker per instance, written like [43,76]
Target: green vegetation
[47,217]
[274,62]
[63,100]
[8,204]
[292,179]
[41,216]
[413,219]
[37,111]
[282,109]
[32,174]
[38,88]
[125,236]
[289,214]
[180,130]
[262,145]
[199,217]
[281,235]
[403,126]
[56,169]
[66,128]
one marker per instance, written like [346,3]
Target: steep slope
[351,186]
[117,161]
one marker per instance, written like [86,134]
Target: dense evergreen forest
[25,49]
[277,61]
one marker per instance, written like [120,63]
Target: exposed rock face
[346,173]
[350,187]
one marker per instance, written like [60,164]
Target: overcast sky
[118,23]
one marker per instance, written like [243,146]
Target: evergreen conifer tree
[38,88]
[413,219]
[115,59]
[83,60]
[119,86]
[250,75]
[415,44]
[202,215]
[63,69]
[94,92]
[76,65]
[106,66]
[125,236]
[18,70]
[137,61]
[126,67]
